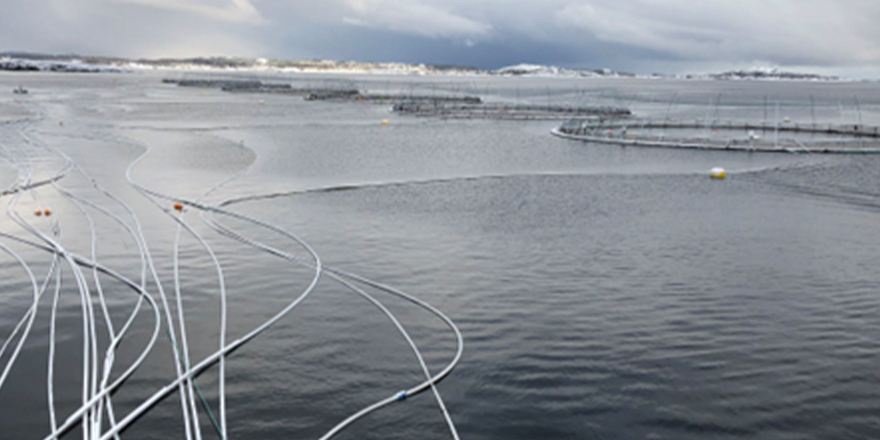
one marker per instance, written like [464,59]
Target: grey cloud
[621,34]
[232,10]
[814,31]
[121,28]
[412,17]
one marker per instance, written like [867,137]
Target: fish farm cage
[261,87]
[783,136]
[455,104]
[384,98]
[339,92]
[446,110]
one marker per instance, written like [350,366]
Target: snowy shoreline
[235,65]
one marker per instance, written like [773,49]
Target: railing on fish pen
[720,135]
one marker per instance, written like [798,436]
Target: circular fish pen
[784,137]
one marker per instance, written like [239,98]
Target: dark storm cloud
[379,45]
[621,34]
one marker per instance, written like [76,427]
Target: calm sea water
[603,292]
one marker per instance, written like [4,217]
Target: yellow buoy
[385,122]
[717,173]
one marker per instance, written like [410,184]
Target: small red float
[178,206]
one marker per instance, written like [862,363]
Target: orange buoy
[60,123]
[47,212]
[178,206]
[38,213]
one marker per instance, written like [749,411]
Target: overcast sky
[826,36]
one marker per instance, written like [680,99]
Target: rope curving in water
[42,172]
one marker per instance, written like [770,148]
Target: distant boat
[20,91]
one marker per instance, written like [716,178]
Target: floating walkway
[729,136]
[335,94]
[287,89]
[215,83]
[397,99]
[505,111]
[254,86]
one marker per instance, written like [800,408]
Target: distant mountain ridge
[554,71]
[27,61]
[35,61]
[770,73]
